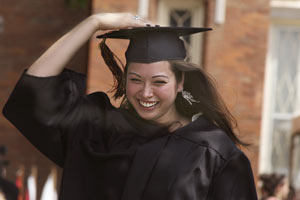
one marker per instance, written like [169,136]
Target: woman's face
[152,88]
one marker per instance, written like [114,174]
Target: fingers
[135,20]
[112,21]
[138,21]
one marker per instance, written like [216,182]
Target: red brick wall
[30,27]
[235,56]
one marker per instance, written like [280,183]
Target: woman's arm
[45,100]
[52,62]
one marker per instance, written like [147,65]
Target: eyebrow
[156,76]
[132,73]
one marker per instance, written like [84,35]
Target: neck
[176,122]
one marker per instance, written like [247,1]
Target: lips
[148,104]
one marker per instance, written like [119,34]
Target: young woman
[171,138]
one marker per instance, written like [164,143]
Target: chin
[146,116]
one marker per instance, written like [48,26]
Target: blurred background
[253,53]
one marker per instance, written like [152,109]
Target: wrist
[96,21]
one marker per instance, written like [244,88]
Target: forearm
[52,62]
[58,55]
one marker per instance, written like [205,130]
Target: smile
[148,104]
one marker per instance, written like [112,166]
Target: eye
[160,82]
[135,80]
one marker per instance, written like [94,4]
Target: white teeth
[148,105]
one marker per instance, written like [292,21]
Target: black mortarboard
[152,44]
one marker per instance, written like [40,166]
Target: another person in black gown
[171,138]
[8,190]
[274,186]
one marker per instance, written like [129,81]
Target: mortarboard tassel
[117,71]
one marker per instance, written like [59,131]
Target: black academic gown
[9,189]
[108,153]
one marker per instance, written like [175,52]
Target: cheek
[166,93]
[131,89]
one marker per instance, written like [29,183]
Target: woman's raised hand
[59,54]
[111,21]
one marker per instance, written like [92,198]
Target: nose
[147,91]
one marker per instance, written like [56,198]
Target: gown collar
[146,129]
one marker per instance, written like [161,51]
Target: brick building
[27,28]
[236,53]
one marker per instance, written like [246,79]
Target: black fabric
[152,44]
[108,153]
[9,189]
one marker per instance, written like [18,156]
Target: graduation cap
[154,43]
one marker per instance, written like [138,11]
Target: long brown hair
[196,81]
[203,89]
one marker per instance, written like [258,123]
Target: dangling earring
[187,96]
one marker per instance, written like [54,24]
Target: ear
[181,83]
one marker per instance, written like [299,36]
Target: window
[184,14]
[286,93]
[282,94]
[182,18]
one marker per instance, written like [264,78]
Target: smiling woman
[152,89]
[171,138]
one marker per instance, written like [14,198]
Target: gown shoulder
[208,135]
